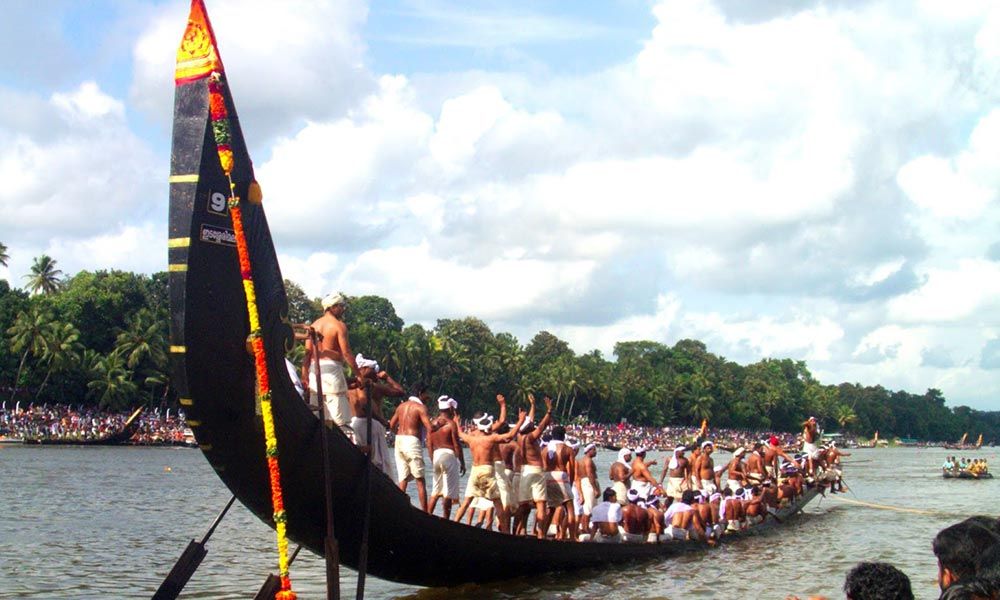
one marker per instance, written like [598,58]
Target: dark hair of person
[687,497]
[990,523]
[559,433]
[877,581]
[503,428]
[479,414]
[609,493]
[418,388]
[972,589]
[956,547]
[988,563]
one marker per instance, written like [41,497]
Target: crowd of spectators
[77,423]
[624,435]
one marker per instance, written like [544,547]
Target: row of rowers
[522,481]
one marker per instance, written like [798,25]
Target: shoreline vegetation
[100,339]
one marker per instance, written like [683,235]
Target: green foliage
[44,278]
[103,337]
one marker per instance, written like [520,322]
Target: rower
[605,519]
[560,466]
[482,479]
[810,434]
[736,476]
[334,352]
[708,479]
[410,423]
[642,479]
[446,457]
[677,473]
[531,490]
[587,484]
[371,380]
[635,519]
[620,473]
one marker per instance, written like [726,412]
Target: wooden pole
[365,522]
[331,550]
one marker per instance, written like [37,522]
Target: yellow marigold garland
[221,133]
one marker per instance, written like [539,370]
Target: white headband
[333,299]
[366,362]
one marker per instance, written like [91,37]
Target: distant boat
[961,445]
[114,438]
[967,475]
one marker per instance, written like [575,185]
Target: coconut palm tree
[144,340]
[44,278]
[845,415]
[62,350]
[29,335]
[4,257]
[112,383]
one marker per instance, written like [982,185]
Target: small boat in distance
[966,475]
[113,438]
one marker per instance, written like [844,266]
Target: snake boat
[216,377]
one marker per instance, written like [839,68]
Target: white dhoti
[336,407]
[446,473]
[589,495]
[409,458]
[503,484]
[708,486]
[676,487]
[379,449]
[810,449]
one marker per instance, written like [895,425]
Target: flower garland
[222,133]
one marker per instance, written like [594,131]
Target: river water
[81,522]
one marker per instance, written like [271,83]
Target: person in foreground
[873,581]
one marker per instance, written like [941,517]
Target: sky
[816,180]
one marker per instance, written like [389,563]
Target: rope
[915,511]
[221,132]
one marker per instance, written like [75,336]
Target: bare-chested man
[810,435]
[771,453]
[756,473]
[334,352]
[635,518]
[482,478]
[642,479]
[833,455]
[377,384]
[410,422]
[446,456]
[677,473]
[559,465]
[708,479]
[620,475]
[736,471]
[531,489]
[683,521]
[587,484]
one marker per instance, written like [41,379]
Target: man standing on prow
[410,423]
[334,352]
[531,489]
[446,456]
[810,434]
[377,384]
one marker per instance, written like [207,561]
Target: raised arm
[531,411]
[537,433]
[503,414]
[506,437]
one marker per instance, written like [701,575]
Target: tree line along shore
[100,338]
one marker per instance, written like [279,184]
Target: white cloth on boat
[379,449]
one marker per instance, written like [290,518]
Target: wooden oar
[188,563]
[272,585]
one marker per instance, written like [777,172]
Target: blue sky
[805,179]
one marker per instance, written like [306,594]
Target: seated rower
[635,519]
[605,519]
[683,520]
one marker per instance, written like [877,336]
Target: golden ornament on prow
[254,194]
